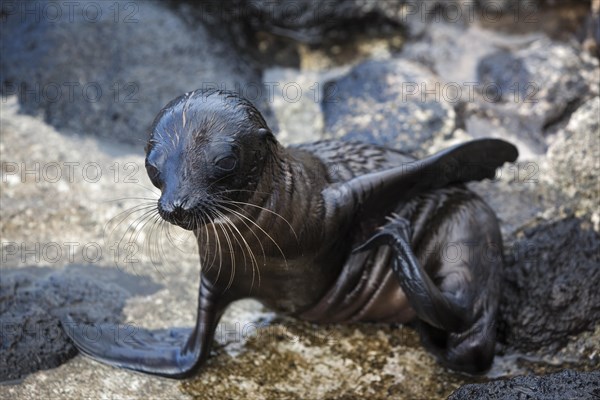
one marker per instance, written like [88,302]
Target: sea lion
[331,231]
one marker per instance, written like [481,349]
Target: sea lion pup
[331,231]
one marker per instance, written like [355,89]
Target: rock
[452,51]
[309,21]
[507,195]
[297,97]
[291,359]
[574,159]
[560,20]
[592,27]
[107,68]
[527,91]
[545,77]
[384,102]
[319,22]
[550,285]
[82,378]
[567,384]
[519,88]
[33,299]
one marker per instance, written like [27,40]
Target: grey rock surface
[563,385]
[297,103]
[518,87]
[82,378]
[453,51]
[107,68]
[529,90]
[383,102]
[574,159]
[545,77]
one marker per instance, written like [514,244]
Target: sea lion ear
[266,134]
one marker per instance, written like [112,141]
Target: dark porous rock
[562,385]
[531,91]
[375,103]
[107,68]
[574,158]
[325,21]
[551,283]
[560,20]
[32,300]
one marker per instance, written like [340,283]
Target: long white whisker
[231,253]
[219,249]
[269,236]
[257,239]
[269,211]
[126,214]
[253,260]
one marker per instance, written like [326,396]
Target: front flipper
[380,191]
[127,346]
[174,354]
[425,298]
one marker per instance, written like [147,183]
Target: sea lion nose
[172,210]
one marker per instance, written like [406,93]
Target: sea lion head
[206,148]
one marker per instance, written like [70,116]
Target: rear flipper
[453,325]
[471,351]
[175,354]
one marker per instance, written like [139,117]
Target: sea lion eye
[227,163]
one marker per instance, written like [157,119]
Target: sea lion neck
[283,221]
